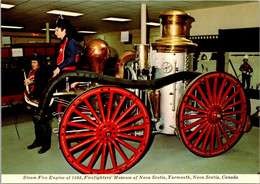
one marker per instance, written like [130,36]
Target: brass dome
[175,27]
[97,53]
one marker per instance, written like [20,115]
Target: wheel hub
[219,116]
[106,132]
[214,114]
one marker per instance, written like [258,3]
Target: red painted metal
[12,99]
[212,114]
[60,109]
[110,139]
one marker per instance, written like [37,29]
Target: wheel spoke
[224,133]
[82,144]
[125,113]
[230,98]
[112,156]
[94,157]
[195,116]
[206,138]
[233,120]
[209,91]
[201,135]
[118,108]
[196,130]
[140,139]
[92,111]
[221,89]
[232,105]
[109,108]
[132,119]
[82,156]
[127,145]
[194,124]
[225,94]
[73,136]
[215,90]
[231,112]
[199,102]
[226,125]
[103,157]
[195,109]
[141,127]
[81,126]
[212,138]
[203,96]
[85,117]
[101,109]
[120,151]
[218,137]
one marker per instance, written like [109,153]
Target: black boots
[34,145]
[42,134]
[44,149]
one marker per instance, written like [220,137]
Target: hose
[42,111]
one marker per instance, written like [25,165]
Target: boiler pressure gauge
[166,67]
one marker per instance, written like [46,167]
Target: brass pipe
[142,55]
[157,106]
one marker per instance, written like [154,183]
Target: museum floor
[167,155]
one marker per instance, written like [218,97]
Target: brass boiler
[97,53]
[170,54]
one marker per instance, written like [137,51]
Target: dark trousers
[42,131]
[245,79]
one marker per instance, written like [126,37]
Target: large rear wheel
[105,130]
[212,114]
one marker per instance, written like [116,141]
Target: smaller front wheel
[212,114]
[105,130]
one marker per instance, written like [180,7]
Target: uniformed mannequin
[68,54]
[37,78]
[246,70]
[37,81]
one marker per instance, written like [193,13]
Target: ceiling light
[88,32]
[7,6]
[50,29]
[59,12]
[12,27]
[116,19]
[153,24]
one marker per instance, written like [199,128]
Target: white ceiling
[32,13]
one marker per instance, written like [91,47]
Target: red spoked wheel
[212,114]
[109,140]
